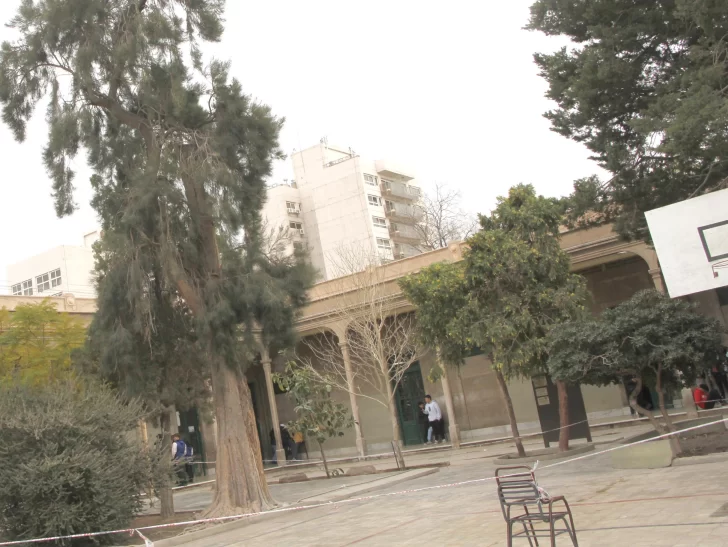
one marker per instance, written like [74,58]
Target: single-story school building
[468,395]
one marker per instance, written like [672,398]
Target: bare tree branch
[442,220]
[381,344]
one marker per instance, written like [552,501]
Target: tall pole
[361,444]
[280,449]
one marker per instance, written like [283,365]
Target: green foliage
[518,282]
[644,89]
[440,295]
[70,463]
[647,334]
[319,417]
[511,289]
[36,343]
[146,346]
[180,156]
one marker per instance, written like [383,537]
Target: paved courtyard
[678,506]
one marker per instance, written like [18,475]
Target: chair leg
[525,530]
[533,531]
[572,533]
[509,533]
[552,533]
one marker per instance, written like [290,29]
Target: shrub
[70,462]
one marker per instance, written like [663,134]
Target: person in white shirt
[437,426]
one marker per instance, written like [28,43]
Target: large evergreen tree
[180,157]
[645,89]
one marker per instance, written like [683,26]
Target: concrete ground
[677,506]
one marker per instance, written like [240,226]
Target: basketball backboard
[691,240]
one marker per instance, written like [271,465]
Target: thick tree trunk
[166,496]
[511,414]
[564,432]
[240,481]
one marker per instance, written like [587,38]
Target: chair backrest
[517,486]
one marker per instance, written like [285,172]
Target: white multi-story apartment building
[341,202]
[61,270]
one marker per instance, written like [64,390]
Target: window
[298,245]
[370,179]
[25,288]
[383,243]
[43,282]
[414,190]
[390,206]
[379,221]
[293,207]
[374,200]
[298,226]
[56,278]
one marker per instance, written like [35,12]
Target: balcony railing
[400,190]
[404,212]
[403,232]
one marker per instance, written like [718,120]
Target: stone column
[453,428]
[280,450]
[361,445]
[656,274]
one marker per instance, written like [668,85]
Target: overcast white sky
[447,89]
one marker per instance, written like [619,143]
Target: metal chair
[517,488]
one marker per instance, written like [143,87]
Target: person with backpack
[182,454]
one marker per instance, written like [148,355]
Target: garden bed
[704,443]
[156,534]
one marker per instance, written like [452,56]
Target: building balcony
[386,168]
[400,191]
[405,213]
[403,250]
[403,233]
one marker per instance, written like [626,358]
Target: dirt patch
[157,534]
[700,445]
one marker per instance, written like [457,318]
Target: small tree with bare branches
[379,343]
[442,220]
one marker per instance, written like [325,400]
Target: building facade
[468,395]
[342,205]
[61,270]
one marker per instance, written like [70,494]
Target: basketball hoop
[722,265]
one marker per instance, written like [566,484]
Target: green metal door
[410,391]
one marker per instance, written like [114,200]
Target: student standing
[434,415]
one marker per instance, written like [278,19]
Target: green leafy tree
[319,417]
[440,295]
[512,287]
[644,89]
[520,287]
[68,464]
[36,343]
[654,340]
[156,362]
[180,156]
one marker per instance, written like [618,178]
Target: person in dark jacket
[423,421]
